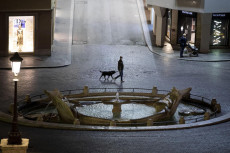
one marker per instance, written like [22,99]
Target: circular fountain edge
[38,124]
[22,121]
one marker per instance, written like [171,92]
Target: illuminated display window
[220,24]
[21,34]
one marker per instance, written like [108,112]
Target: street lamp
[14,137]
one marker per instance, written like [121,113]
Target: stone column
[155,24]
[86,90]
[174,29]
[154,91]
[203,31]
[150,122]
[206,116]
[160,25]
[182,120]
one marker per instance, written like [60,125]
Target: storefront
[220,30]
[187,24]
[204,28]
[26,27]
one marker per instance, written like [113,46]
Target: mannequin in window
[19,38]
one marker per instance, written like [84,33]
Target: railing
[133,90]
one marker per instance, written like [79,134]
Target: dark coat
[183,41]
[120,65]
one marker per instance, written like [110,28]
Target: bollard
[150,122]
[218,108]
[113,123]
[76,122]
[182,121]
[86,90]
[213,104]
[154,91]
[206,116]
[27,99]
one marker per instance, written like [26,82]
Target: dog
[107,73]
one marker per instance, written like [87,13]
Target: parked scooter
[194,50]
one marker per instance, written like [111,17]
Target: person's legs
[181,51]
[121,74]
[118,75]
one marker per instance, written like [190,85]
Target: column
[204,31]
[174,28]
[160,25]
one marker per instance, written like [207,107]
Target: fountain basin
[129,111]
[132,109]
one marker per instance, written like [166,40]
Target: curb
[224,60]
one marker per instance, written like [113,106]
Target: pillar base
[14,148]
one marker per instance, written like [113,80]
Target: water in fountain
[43,112]
[129,111]
[117,110]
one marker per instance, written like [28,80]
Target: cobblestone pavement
[142,69]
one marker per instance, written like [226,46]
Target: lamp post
[14,137]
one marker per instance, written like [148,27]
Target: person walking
[183,43]
[120,67]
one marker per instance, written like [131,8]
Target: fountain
[117,108]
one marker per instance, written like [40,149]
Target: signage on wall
[219,15]
[187,12]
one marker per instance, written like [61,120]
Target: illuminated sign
[21,34]
[219,15]
[186,12]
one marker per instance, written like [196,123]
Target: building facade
[26,26]
[205,22]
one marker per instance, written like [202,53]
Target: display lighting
[217,22]
[217,32]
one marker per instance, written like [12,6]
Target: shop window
[219,34]
[21,34]
[187,25]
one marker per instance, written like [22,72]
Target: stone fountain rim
[4,117]
[38,124]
